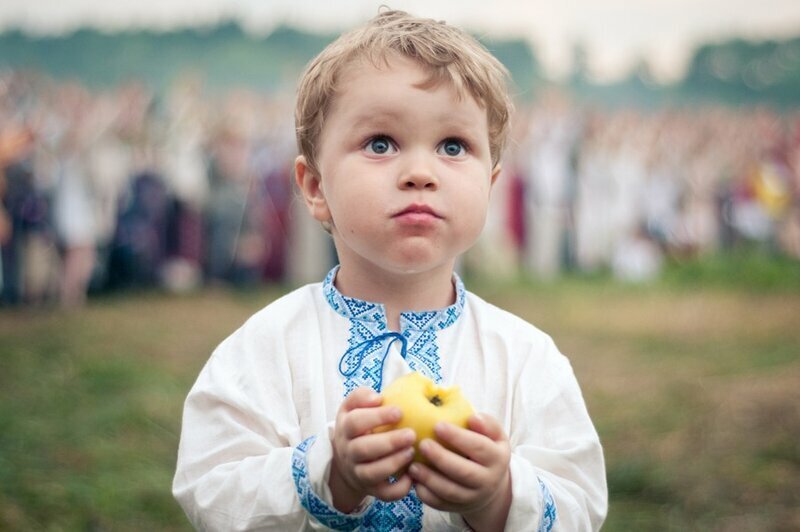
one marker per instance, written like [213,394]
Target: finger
[362,420]
[471,444]
[373,473]
[486,425]
[426,496]
[393,491]
[452,465]
[362,397]
[371,447]
[441,487]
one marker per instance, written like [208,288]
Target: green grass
[694,388]
[744,267]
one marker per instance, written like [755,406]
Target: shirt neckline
[359,310]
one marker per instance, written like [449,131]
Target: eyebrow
[458,123]
[379,118]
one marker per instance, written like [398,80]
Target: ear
[495,173]
[310,185]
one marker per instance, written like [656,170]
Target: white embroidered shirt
[255,447]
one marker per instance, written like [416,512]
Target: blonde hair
[449,53]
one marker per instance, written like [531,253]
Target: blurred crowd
[119,188]
[123,188]
[626,189]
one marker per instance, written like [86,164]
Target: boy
[400,126]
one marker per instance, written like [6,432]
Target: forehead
[386,87]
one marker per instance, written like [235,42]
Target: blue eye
[452,148]
[379,145]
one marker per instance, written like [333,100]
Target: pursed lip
[418,209]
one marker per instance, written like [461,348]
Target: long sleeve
[234,462]
[255,445]
[557,468]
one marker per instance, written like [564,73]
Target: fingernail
[409,435]
[413,469]
[425,445]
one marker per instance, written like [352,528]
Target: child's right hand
[362,461]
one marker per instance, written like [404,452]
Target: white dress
[255,446]
[73,208]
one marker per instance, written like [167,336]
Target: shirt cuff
[532,506]
[311,469]
[549,513]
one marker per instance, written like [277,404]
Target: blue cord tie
[354,356]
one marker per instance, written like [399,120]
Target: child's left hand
[475,480]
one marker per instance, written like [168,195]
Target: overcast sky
[616,32]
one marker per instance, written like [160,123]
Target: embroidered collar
[356,309]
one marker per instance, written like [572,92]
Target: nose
[418,175]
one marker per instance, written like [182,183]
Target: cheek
[353,213]
[474,194]
[472,209]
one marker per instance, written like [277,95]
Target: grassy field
[695,393]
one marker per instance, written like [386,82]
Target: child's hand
[363,462]
[475,483]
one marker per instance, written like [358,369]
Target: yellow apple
[423,404]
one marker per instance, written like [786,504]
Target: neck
[398,292]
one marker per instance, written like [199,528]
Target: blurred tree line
[736,71]
[225,55]
[739,70]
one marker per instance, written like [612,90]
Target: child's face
[405,169]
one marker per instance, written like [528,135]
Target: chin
[417,261]
[419,268]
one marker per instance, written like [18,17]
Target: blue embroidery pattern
[550,514]
[362,365]
[405,514]
[368,325]
[352,358]
[315,506]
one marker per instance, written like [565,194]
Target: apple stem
[436,400]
